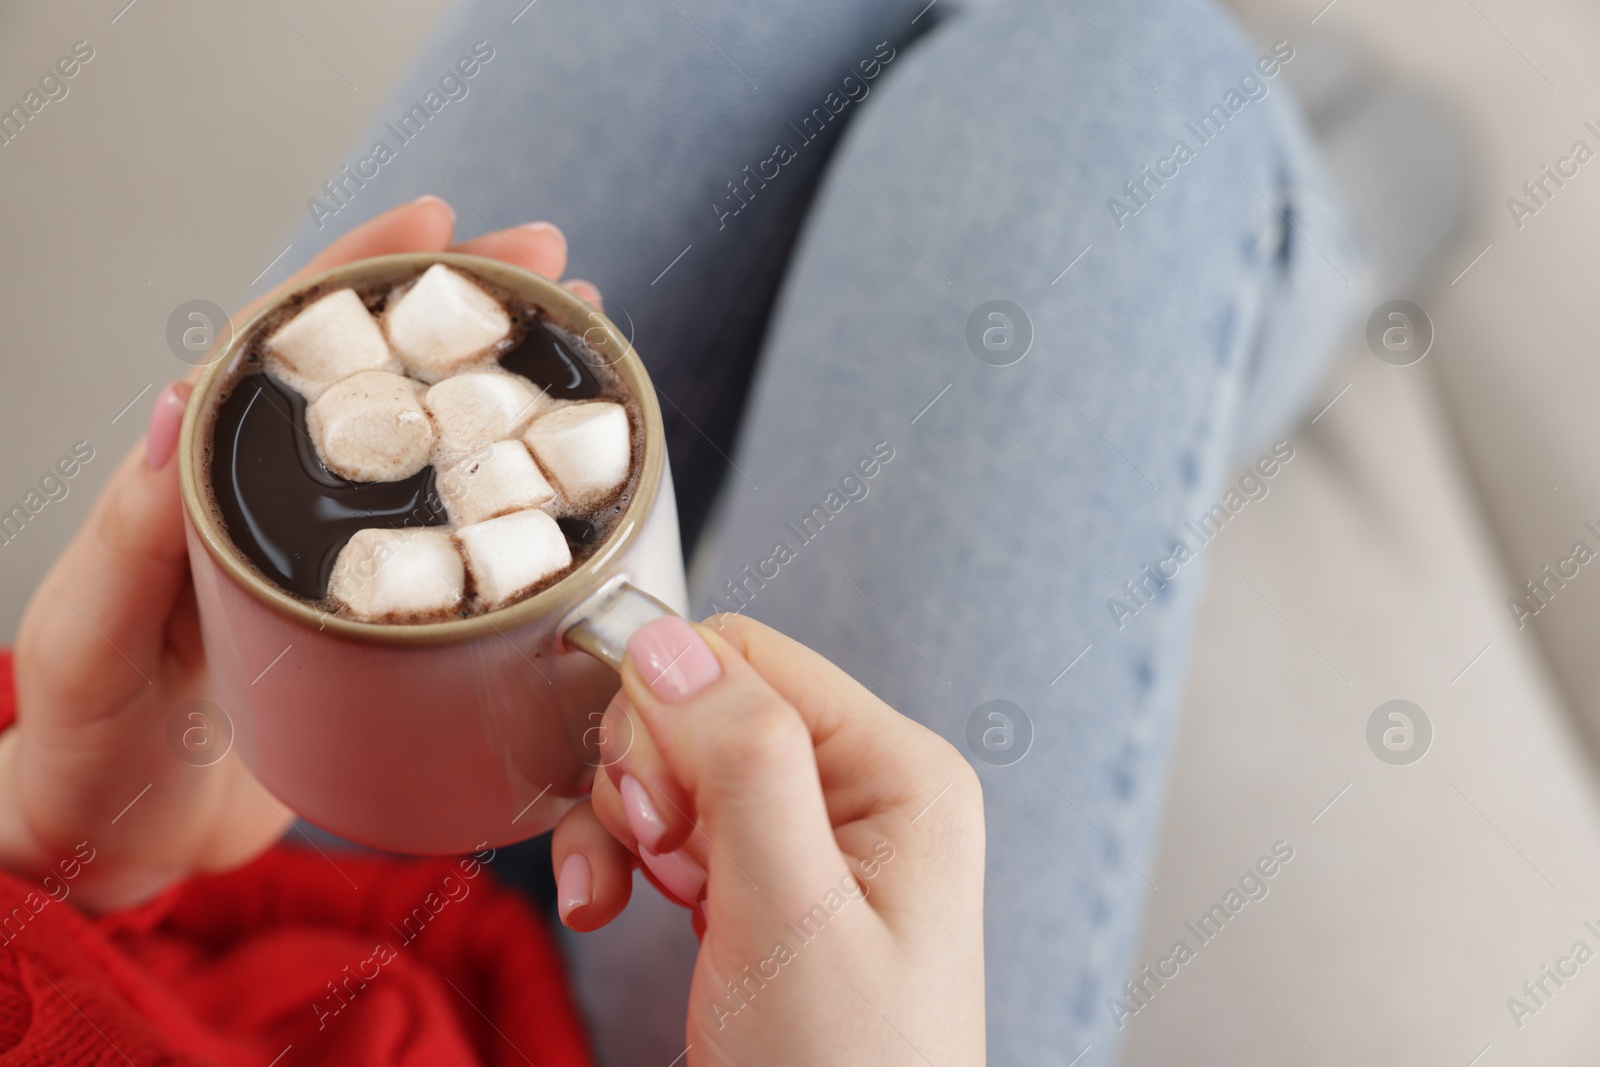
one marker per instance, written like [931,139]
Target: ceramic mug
[434,737]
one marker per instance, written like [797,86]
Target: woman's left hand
[109,649]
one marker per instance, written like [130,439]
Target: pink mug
[435,737]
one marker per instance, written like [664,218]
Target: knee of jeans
[1166,100]
[1316,280]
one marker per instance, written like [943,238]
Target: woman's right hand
[832,851]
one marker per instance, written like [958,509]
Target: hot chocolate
[418,451]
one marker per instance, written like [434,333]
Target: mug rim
[569,312]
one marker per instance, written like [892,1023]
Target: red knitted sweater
[284,964]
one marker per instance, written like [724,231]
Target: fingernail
[675,662]
[166,417]
[429,198]
[545,227]
[643,819]
[574,885]
[678,871]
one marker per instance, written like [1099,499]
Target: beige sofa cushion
[1516,346]
[1419,901]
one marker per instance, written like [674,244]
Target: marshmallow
[584,448]
[511,554]
[443,322]
[398,574]
[498,479]
[330,339]
[473,409]
[370,427]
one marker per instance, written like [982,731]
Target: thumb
[746,759]
[98,619]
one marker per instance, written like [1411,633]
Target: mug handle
[602,624]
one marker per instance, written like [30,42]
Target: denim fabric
[983,560]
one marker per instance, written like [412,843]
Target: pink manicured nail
[546,228]
[643,819]
[574,885]
[161,440]
[678,871]
[430,198]
[675,662]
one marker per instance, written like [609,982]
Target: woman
[827,199]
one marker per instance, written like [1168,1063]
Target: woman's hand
[832,851]
[110,647]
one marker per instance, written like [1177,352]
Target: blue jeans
[803,212]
